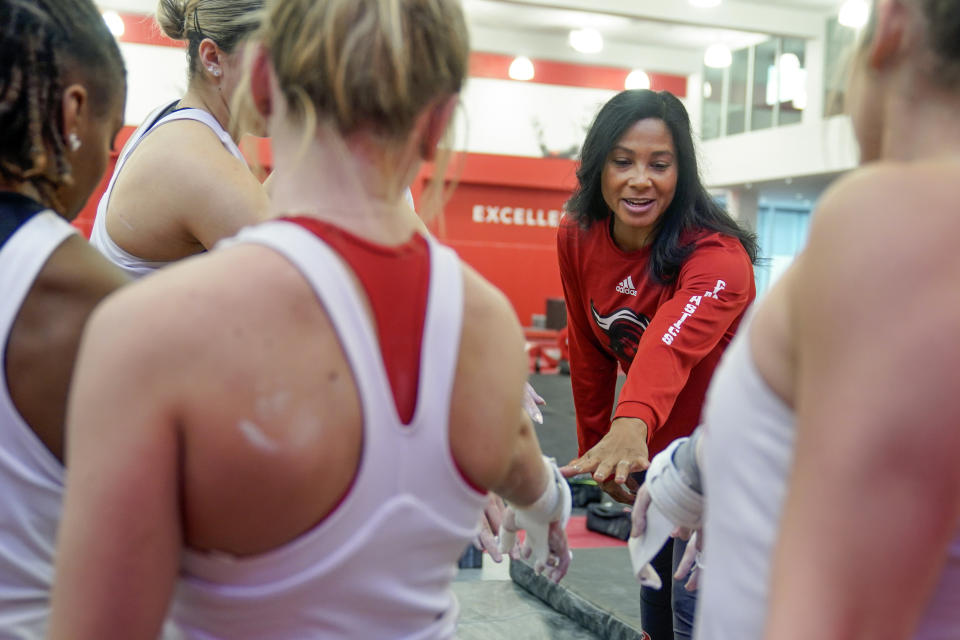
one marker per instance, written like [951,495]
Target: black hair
[692,208]
[43,43]
[943,38]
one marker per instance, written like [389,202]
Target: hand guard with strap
[673,480]
[553,505]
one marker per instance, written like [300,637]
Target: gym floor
[492,605]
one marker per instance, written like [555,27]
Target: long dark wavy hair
[692,207]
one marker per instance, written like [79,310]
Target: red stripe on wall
[501,220]
[143,29]
[494,65]
[510,171]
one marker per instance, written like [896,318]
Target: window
[839,47]
[737,92]
[712,103]
[792,80]
[782,232]
[765,86]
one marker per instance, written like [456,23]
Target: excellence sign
[516,216]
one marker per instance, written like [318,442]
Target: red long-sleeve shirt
[668,338]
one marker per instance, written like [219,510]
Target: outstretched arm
[874,498]
[494,441]
[714,287]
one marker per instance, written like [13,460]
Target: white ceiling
[660,35]
[558,22]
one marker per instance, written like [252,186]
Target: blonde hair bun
[172,18]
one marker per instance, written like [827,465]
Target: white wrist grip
[679,503]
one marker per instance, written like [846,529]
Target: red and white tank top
[381,564]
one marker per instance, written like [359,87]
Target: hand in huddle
[621,452]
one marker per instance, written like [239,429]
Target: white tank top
[31,478]
[133,265]
[380,565]
[748,453]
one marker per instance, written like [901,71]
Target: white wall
[497,116]
[809,148]
[155,75]
[503,116]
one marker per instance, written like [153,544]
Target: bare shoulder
[907,209]
[75,279]
[45,337]
[190,142]
[873,295]
[184,154]
[883,231]
[180,173]
[187,315]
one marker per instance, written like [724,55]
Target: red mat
[580,538]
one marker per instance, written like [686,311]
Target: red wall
[502,220]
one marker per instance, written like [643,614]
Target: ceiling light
[789,62]
[705,4]
[718,56]
[854,14]
[637,79]
[586,40]
[114,23]
[521,68]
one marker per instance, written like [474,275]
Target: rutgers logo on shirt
[623,327]
[626,287]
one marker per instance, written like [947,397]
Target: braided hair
[44,43]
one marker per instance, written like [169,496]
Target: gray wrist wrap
[670,492]
[685,460]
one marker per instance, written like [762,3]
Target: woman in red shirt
[656,278]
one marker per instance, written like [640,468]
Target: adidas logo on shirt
[626,287]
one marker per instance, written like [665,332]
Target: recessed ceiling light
[854,14]
[705,4]
[637,79]
[586,40]
[114,23]
[788,61]
[521,68]
[718,56]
